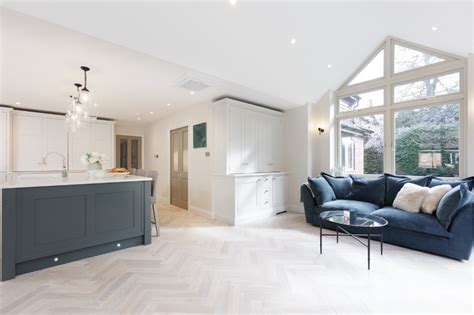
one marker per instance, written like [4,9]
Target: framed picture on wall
[200,135]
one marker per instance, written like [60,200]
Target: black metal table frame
[354,236]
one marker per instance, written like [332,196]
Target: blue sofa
[418,231]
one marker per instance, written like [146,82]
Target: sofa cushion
[394,183]
[410,197]
[411,221]
[368,190]
[430,204]
[436,181]
[452,203]
[359,206]
[340,185]
[321,190]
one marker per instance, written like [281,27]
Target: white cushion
[430,204]
[410,197]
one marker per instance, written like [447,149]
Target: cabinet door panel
[54,140]
[3,142]
[236,118]
[279,192]
[248,199]
[79,143]
[27,143]
[264,143]
[102,139]
[250,143]
[276,144]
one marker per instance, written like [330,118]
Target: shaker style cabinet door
[236,140]
[102,141]
[80,142]
[55,133]
[250,142]
[3,142]
[27,139]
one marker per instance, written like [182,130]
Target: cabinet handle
[266,190]
[266,202]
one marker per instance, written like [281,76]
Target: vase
[94,167]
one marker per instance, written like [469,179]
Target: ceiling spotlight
[17,103]
[329,66]
[233,2]
[168,104]
[434,28]
[192,92]
[293,41]
[151,113]
[139,118]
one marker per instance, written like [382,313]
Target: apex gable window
[402,112]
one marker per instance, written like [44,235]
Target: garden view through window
[362,138]
[427,141]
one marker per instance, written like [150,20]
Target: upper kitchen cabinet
[35,135]
[248,138]
[97,136]
[4,139]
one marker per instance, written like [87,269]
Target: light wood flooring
[272,266]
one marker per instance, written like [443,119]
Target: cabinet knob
[266,190]
[266,202]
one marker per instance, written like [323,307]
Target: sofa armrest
[309,202]
[460,245]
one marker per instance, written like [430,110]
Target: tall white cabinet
[4,139]
[248,179]
[36,134]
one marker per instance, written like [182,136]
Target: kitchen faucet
[64,172]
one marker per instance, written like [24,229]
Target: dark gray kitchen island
[48,220]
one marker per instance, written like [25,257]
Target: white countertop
[25,180]
[253,174]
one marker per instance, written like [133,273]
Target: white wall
[470,115]
[322,115]
[157,142]
[296,153]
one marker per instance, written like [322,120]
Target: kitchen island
[47,220]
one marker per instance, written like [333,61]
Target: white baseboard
[202,212]
[296,208]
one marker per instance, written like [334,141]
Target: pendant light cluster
[83,108]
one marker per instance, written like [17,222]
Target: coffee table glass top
[361,220]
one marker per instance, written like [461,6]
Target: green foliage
[373,160]
[412,140]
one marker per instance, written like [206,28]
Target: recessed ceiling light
[293,41]
[139,118]
[434,28]
[151,113]
[329,66]
[17,103]
[192,92]
[233,2]
[168,104]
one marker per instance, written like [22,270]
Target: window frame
[452,64]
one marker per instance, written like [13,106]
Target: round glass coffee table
[370,224]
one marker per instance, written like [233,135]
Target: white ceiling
[246,46]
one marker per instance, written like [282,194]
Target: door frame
[117,148]
[171,162]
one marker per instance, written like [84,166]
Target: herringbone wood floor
[201,266]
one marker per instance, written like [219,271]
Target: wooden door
[128,152]
[179,167]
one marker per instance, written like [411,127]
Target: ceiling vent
[192,85]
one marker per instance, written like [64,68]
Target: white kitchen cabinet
[103,141]
[243,198]
[92,137]
[54,140]
[248,138]
[4,139]
[80,142]
[33,136]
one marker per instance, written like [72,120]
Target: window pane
[361,101]
[373,70]
[430,87]
[408,59]
[361,141]
[427,141]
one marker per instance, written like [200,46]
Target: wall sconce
[320,130]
